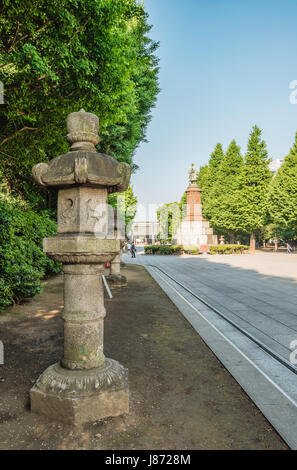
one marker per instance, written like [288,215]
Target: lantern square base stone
[112,399]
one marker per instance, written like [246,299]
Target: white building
[275,165]
[145,232]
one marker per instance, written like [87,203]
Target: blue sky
[225,65]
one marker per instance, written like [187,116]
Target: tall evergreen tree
[214,164]
[210,179]
[202,176]
[224,193]
[283,195]
[252,201]
[183,205]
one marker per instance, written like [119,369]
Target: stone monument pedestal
[194,229]
[195,233]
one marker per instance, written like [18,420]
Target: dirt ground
[181,397]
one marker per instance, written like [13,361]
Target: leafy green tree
[126,205]
[214,164]
[22,261]
[169,216]
[183,206]
[59,56]
[224,217]
[56,57]
[251,205]
[283,196]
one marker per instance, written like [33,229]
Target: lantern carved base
[80,396]
[115,278]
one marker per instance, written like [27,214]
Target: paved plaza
[257,291]
[245,309]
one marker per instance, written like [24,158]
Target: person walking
[289,248]
[133,250]
[129,248]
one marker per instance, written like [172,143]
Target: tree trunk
[275,243]
[253,242]
[231,238]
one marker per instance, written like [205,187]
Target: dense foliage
[179,250]
[126,205]
[169,217]
[163,250]
[170,250]
[283,196]
[235,189]
[59,56]
[208,180]
[228,249]
[254,180]
[22,261]
[221,197]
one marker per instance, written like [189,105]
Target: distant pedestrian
[289,248]
[133,250]
[129,247]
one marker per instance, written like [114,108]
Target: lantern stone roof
[83,165]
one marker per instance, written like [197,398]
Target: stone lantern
[115,278]
[85,385]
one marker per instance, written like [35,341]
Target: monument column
[194,230]
[194,207]
[85,385]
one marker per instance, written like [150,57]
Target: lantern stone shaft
[85,385]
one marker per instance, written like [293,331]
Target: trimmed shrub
[163,250]
[228,249]
[179,250]
[151,249]
[191,250]
[169,250]
[22,261]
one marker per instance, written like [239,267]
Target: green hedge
[22,261]
[191,250]
[169,250]
[179,250]
[163,250]
[228,249]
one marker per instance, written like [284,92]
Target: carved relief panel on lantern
[82,210]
